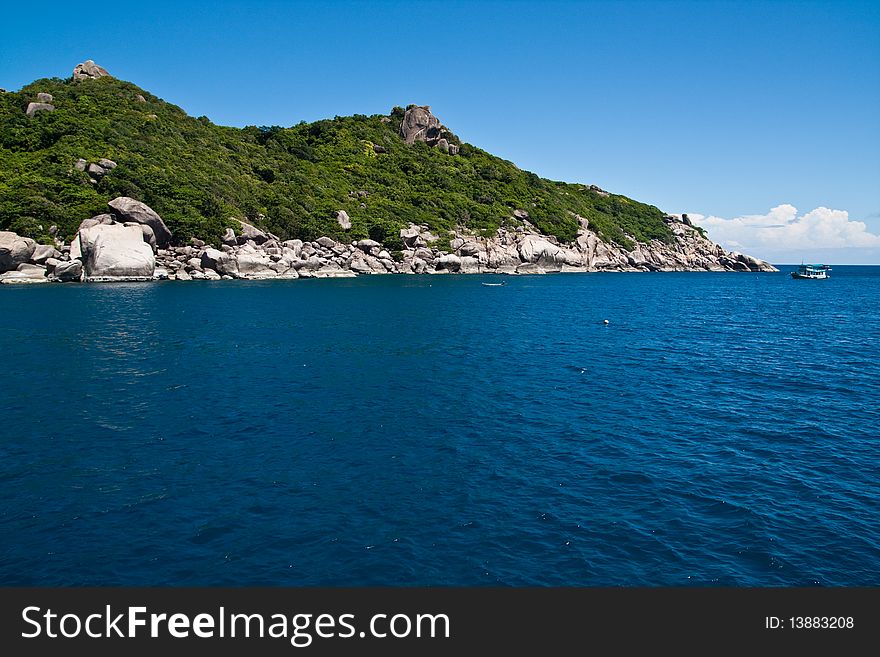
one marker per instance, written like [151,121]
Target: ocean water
[722,429]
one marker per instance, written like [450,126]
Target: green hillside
[291,181]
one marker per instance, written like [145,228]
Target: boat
[495,284]
[811,271]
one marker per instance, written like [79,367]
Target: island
[102,181]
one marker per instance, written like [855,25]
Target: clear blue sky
[723,109]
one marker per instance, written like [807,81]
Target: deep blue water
[723,429]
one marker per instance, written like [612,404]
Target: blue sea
[720,430]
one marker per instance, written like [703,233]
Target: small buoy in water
[606,321]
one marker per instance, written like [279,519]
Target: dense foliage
[198,175]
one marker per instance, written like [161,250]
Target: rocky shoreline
[132,243]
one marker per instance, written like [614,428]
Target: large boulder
[69,271]
[116,252]
[88,70]
[425,254]
[243,263]
[418,266]
[732,263]
[14,250]
[753,264]
[222,262]
[537,250]
[573,257]
[360,266]
[311,263]
[229,237]
[367,245]
[43,252]
[469,249]
[128,210]
[293,248]
[637,258]
[211,257]
[470,265]
[501,255]
[449,261]
[249,232]
[254,265]
[25,273]
[603,257]
[409,236]
[365,264]
[33,108]
[420,125]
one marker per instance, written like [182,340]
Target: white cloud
[782,230]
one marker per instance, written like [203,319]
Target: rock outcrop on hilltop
[88,70]
[419,124]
